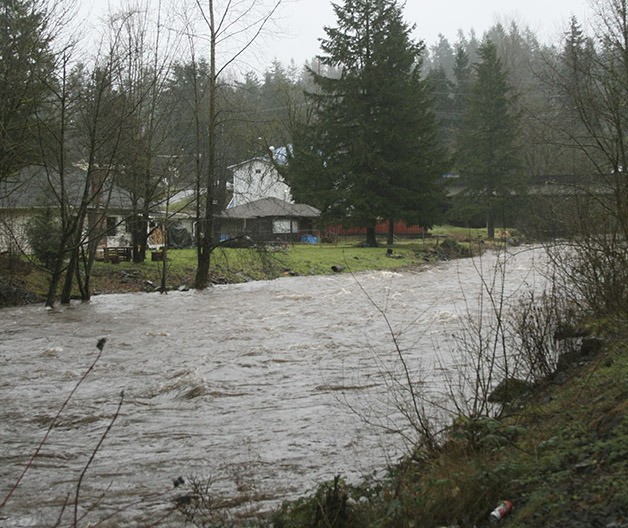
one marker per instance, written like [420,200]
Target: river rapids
[263,389]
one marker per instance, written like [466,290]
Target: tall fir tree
[442,55]
[443,101]
[461,86]
[26,66]
[369,151]
[487,152]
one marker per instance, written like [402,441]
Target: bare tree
[78,148]
[591,79]
[55,128]
[145,54]
[97,115]
[236,25]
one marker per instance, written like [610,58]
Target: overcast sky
[306,18]
[299,23]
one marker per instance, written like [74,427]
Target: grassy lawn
[306,259]
[236,265]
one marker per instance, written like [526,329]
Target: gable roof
[33,187]
[276,156]
[271,207]
[250,161]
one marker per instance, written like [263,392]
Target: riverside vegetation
[554,444]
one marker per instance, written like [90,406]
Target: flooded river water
[255,386]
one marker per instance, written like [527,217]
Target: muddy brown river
[264,388]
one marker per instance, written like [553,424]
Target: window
[285,226]
[112,225]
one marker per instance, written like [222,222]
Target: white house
[255,179]
[34,190]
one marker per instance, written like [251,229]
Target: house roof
[271,207]
[259,159]
[278,155]
[34,187]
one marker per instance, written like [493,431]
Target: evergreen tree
[443,102]
[442,55]
[369,151]
[461,85]
[575,90]
[526,63]
[487,153]
[282,99]
[26,65]
[469,44]
[594,84]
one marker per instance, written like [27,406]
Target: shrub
[537,322]
[44,234]
[327,508]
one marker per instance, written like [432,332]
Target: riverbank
[23,282]
[560,458]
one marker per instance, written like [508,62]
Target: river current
[266,388]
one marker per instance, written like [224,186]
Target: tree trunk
[144,235]
[203,258]
[73,266]
[71,271]
[490,222]
[164,260]
[54,284]
[371,240]
[390,240]
[64,244]
[139,230]
[205,245]
[86,292]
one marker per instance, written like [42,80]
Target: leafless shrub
[202,504]
[498,339]
[482,346]
[406,395]
[537,322]
[594,271]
